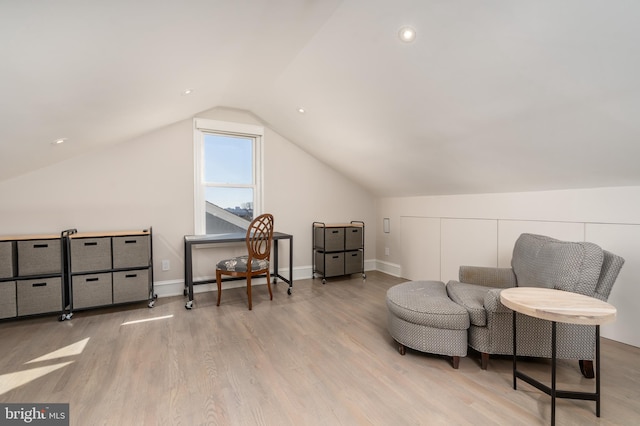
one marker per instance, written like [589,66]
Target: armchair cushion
[471,297]
[540,261]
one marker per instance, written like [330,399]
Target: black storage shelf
[91,263]
[31,275]
[37,273]
[338,249]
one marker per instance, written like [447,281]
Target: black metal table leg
[275,261]
[553,373]
[188,273]
[598,370]
[514,351]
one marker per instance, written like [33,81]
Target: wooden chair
[259,237]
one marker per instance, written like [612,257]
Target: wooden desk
[239,237]
[558,306]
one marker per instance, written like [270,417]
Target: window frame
[202,126]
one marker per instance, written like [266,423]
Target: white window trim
[202,126]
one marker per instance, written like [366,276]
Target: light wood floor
[321,356]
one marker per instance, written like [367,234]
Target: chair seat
[470,296]
[239,264]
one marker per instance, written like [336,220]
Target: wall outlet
[386,251]
[166,265]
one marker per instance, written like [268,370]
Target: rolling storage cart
[109,268]
[31,275]
[338,249]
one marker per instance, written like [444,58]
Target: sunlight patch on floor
[11,381]
[146,320]
[73,349]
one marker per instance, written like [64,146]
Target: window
[228,175]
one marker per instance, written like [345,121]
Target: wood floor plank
[321,356]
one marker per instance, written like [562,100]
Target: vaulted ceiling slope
[492,96]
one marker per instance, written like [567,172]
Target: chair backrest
[259,236]
[610,269]
[580,267]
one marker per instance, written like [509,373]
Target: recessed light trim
[407,34]
[186,92]
[301,110]
[59,141]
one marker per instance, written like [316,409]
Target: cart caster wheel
[364,276]
[324,281]
[289,291]
[189,304]
[66,316]
[151,304]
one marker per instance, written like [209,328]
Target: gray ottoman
[422,317]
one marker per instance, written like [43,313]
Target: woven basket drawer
[6,259]
[353,262]
[91,290]
[39,257]
[333,264]
[130,286]
[329,239]
[352,238]
[39,296]
[8,299]
[90,254]
[130,252]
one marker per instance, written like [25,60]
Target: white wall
[148,181]
[432,236]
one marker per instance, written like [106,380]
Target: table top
[228,238]
[557,305]
[30,237]
[338,225]
[109,234]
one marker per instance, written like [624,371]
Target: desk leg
[553,373]
[188,274]
[290,265]
[275,262]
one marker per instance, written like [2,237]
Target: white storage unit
[338,249]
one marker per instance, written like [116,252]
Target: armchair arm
[492,302]
[488,277]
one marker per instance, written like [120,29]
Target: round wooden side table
[558,306]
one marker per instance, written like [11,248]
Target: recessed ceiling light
[59,141]
[187,92]
[301,110]
[407,34]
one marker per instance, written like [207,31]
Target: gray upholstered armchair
[537,261]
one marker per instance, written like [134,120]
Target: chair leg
[269,285]
[455,361]
[484,360]
[402,349]
[219,282]
[586,368]
[249,290]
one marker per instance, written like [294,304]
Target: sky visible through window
[228,161]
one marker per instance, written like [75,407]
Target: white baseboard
[388,268]
[176,287]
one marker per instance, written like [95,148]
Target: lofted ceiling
[492,96]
